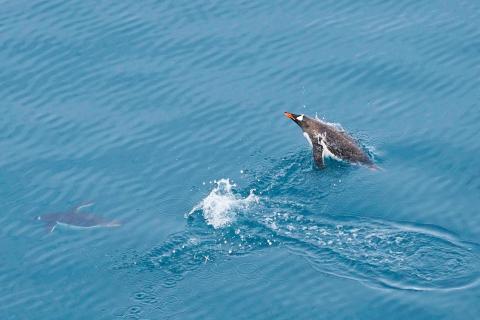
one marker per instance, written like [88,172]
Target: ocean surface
[168,116]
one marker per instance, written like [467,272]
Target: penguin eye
[300,117]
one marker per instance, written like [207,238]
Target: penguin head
[309,126]
[302,120]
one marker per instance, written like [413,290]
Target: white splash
[220,206]
[326,153]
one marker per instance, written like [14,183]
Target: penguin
[327,140]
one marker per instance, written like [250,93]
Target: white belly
[75,227]
[308,139]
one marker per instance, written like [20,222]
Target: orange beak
[289,115]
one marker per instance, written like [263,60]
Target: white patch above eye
[300,117]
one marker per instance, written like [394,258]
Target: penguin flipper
[49,227]
[318,156]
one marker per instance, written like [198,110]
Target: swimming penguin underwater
[327,140]
[76,220]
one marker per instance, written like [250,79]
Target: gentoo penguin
[327,140]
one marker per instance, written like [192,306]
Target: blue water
[169,116]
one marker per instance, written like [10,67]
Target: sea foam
[220,206]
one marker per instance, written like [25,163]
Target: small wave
[379,252]
[220,206]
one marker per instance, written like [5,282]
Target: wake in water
[229,223]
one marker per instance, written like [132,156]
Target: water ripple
[136,105]
[394,255]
